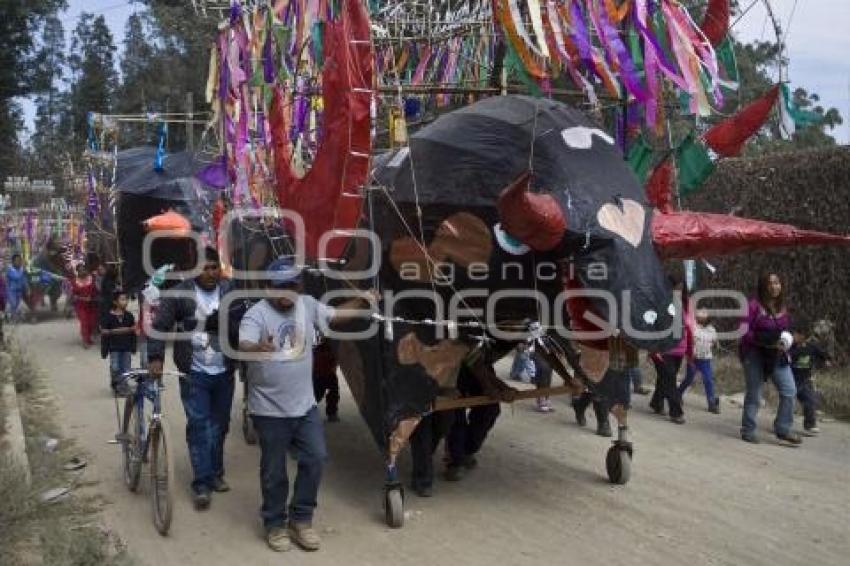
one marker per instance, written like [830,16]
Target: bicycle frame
[151,390]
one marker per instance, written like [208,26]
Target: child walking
[805,356]
[118,338]
[705,339]
[523,368]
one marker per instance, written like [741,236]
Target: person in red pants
[85,304]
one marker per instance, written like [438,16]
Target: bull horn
[683,234]
[534,219]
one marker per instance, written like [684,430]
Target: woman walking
[85,304]
[763,353]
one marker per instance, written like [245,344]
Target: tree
[94,79]
[19,26]
[51,103]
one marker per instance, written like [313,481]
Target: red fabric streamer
[680,235]
[728,137]
[659,186]
[328,196]
[715,24]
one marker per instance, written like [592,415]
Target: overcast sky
[818,41]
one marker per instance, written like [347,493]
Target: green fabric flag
[318,51]
[726,57]
[514,66]
[693,164]
[639,158]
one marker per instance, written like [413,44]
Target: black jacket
[178,314]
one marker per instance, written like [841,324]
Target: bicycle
[145,440]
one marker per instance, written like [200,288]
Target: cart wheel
[394,507]
[248,431]
[618,463]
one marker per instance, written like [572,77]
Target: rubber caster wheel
[248,431]
[394,508]
[618,463]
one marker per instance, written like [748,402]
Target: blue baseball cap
[284,272]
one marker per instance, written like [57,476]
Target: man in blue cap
[279,332]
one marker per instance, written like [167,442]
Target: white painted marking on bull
[626,223]
[581,137]
[671,310]
[650,317]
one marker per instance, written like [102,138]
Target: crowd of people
[295,370]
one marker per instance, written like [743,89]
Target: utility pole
[190,127]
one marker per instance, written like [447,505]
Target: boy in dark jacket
[192,307]
[806,356]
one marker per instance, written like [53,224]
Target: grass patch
[65,533]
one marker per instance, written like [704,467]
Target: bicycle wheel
[162,470]
[131,445]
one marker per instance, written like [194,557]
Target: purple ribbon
[617,52]
[661,58]
[269,73]
[215,174]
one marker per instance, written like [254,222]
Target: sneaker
[714,407]
[333,418]
[659,411]
[642,390]
[454,473]
[544,408]
[304,535]
[812,429]
[678,420]
[201,499]
[220,486]
[749,437]
[604,429]
[790,438]
[278,539]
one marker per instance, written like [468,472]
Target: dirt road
[698,495]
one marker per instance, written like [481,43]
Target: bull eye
[650,317]
[671,310]
[508,242]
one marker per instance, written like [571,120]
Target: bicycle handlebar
[142,372]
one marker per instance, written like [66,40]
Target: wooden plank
[466,402]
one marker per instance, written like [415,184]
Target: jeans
[119,363]
[665,387]
[469,431]
[636,378]
[784,381]
[704,368]
[206,400]
[304,437]
[806,396]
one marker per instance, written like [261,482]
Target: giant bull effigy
[509,219]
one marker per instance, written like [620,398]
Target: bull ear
[534,219]
[684,234]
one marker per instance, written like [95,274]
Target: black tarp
[144,193]
[460,164]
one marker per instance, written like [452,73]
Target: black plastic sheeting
[461,163]
[144,193]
